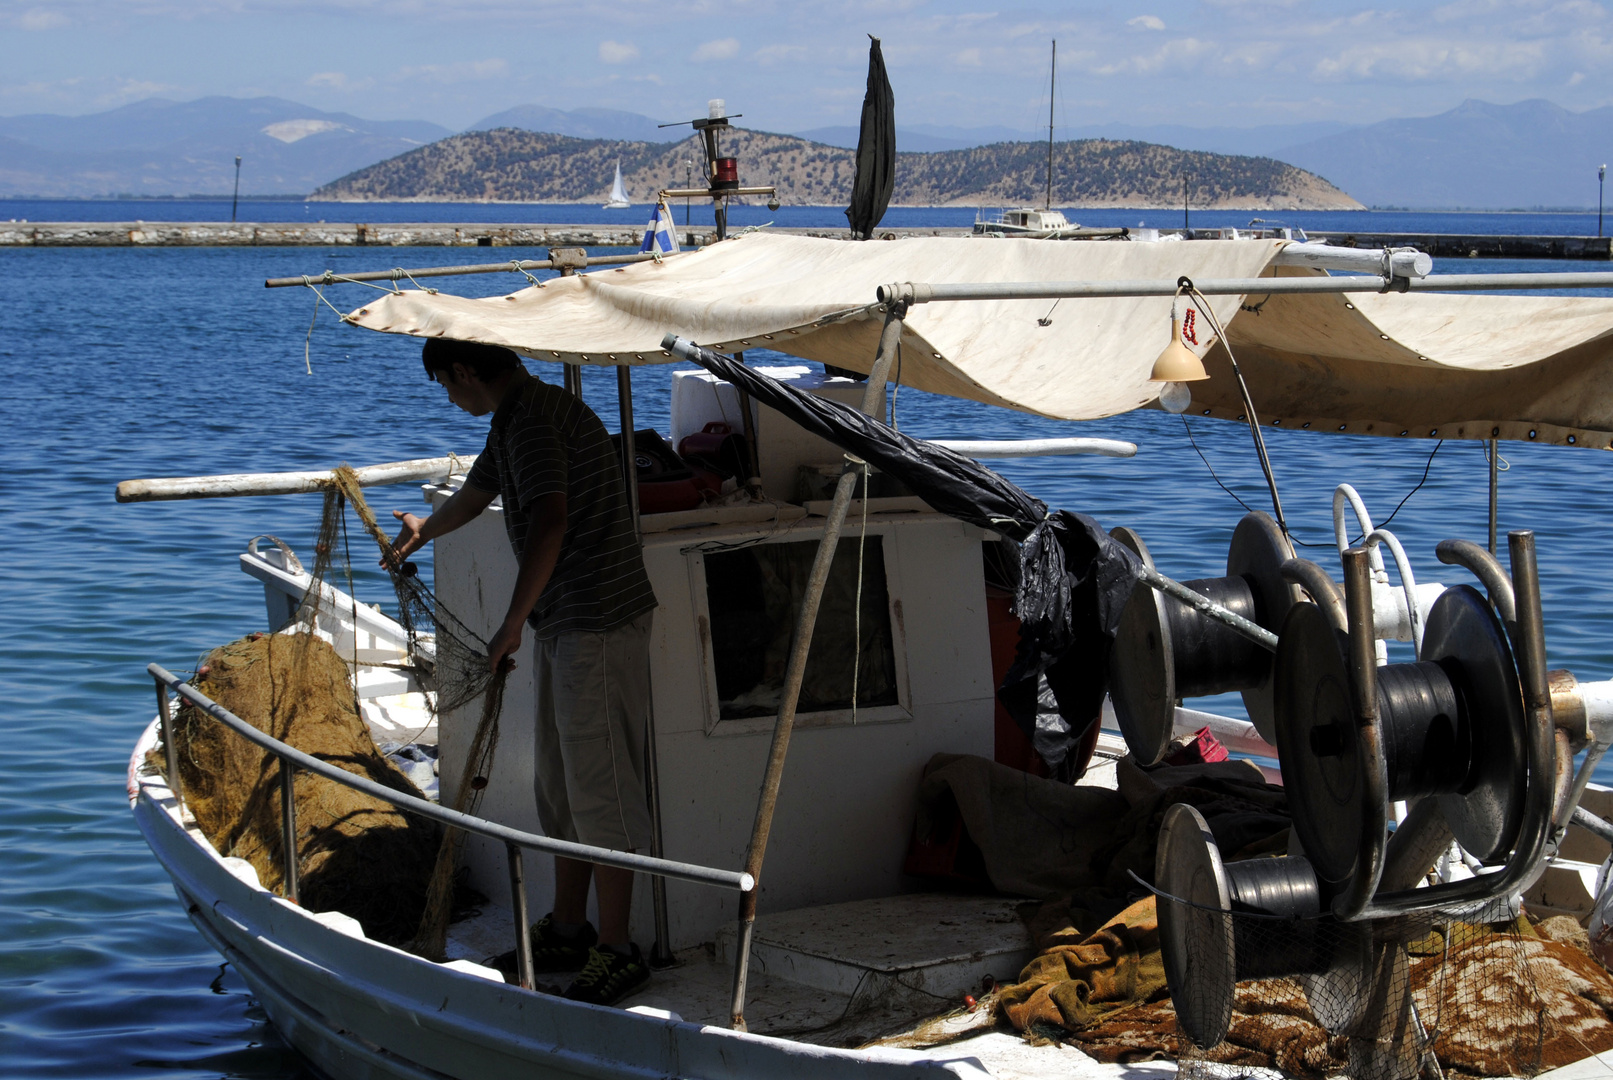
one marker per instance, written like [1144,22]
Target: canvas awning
[1460,366]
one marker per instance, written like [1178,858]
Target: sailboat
[618,194]
[1029,221]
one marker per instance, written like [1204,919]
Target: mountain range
[507,164]
[158,147]
[1477,155]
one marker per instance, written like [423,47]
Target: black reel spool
[1452,728]
[1212,936]
[1165,651]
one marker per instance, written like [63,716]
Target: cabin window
[753,596]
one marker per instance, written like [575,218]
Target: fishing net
[459,674]
[356,854]
[1383,1000]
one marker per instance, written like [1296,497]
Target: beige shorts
[593,703]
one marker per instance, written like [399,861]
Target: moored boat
[844,949]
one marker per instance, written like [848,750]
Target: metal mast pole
[236,199]
[1052,79]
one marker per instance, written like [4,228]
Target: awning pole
[806,621]
[1494,478]
[661,951]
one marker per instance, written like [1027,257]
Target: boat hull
[358,1008]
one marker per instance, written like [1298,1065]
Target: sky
[790,65]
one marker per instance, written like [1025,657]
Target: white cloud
[967,57]
[1147,22]
[329,80]
[1434,58]
[449,74]
[776,54]
[721,49]
[1180,53]
[618,52]
[41,19]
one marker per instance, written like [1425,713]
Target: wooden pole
[806,621]
[229,485]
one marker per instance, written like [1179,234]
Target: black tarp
[876,150]
[1074,579]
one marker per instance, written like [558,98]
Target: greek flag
[660,236]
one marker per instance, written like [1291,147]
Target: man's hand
[409,539]
[504,644]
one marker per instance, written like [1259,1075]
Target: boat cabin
[729,580]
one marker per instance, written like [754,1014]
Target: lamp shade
[1178,363]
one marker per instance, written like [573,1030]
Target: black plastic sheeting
[875,178]
[1074,580]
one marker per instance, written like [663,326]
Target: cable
[1186,283]
[1188,428]
[1414,490]
[1427,468]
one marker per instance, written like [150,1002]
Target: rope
[319,297]
[516,267]
[423,288]
[328,278]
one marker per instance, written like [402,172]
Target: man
[582,588]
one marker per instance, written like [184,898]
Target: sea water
[127,363]
[743,215]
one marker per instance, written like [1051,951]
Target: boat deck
[839,975]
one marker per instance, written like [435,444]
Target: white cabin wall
[474,573]
[846,804]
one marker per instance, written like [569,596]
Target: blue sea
[820,217]
[136,363]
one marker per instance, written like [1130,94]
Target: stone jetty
[479,234]
[363,234]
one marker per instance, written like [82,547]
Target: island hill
[514,165]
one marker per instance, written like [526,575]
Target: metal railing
[514,840]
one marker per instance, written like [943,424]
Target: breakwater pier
[487,234]
[1483,246]
[366,234]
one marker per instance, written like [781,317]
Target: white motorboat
[1036,223]
[845,970]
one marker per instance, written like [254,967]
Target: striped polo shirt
[544,440]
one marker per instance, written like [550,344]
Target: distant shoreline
[304,199]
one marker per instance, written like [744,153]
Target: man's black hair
[487,362]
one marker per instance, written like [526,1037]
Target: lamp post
[235,200]
[1601,184]
[688,182]
[1186,180]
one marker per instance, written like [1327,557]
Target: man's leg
[615,903]
[571,879]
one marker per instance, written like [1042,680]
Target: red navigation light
[727,173]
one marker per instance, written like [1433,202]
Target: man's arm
[543,539]
[462,506]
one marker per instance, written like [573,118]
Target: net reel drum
[1465,728]
[1165,651]
[1223,923]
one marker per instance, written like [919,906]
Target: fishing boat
[618,199]
[805,902]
